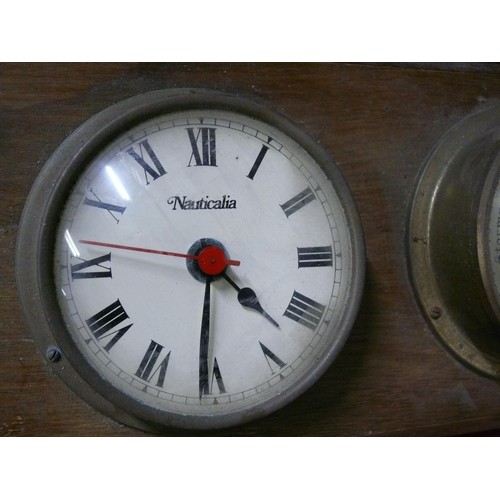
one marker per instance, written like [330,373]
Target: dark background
[379,122]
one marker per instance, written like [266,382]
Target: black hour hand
[248,298]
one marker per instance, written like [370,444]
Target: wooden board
[379,122]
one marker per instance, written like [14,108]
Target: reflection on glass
[117,183]
[71,244]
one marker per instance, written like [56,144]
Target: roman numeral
[258,161]
[270,356]
[155,171]
[105,320]
[105,206]
[304,310]
[297,202]
[208,149]
[218,378]
[98,203]
[315,256]
[148,362]
[76,269]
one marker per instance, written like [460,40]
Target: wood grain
[379,122]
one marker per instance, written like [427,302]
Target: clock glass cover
[489,237]
[207,267]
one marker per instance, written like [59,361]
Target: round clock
[454,240]
[188,258]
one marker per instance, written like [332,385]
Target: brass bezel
[443,244]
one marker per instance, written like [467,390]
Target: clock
[192,259]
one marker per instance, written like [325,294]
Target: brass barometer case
[454,240]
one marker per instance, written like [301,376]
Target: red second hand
[228,262]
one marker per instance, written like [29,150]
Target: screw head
[53,354]
[436,312]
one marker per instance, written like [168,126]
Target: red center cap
[212,260]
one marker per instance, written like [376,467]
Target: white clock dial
[490,261]
[207,270]
[494,240]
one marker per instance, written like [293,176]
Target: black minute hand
[248,298]
[204,340]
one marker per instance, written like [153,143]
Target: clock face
[491,268]
[205,268]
